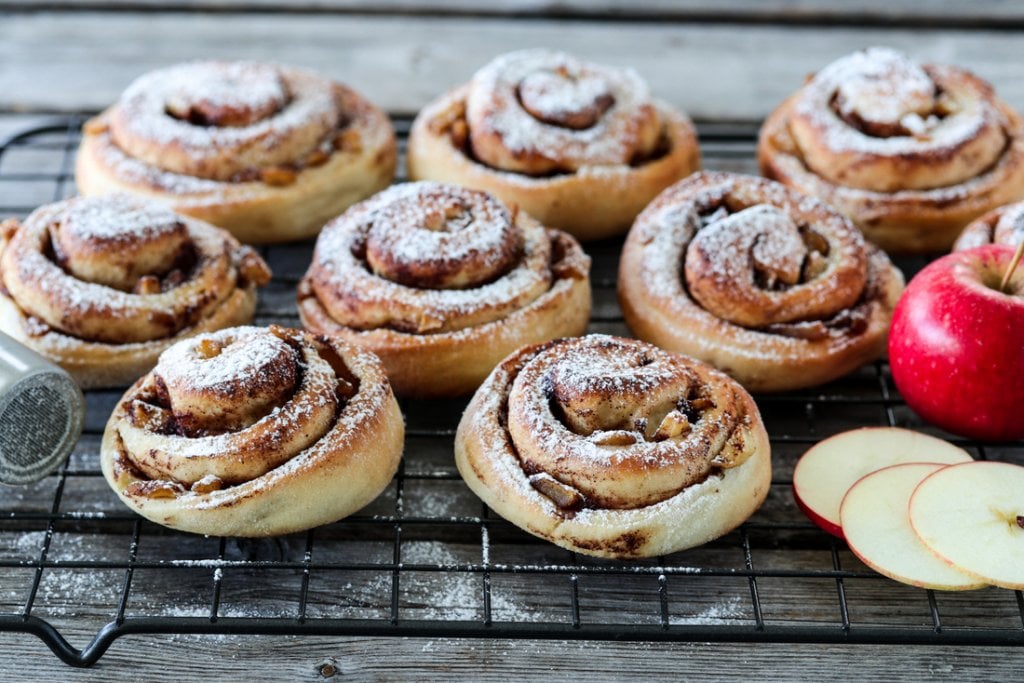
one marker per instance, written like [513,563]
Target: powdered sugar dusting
[115,217]
[880,85]
[614,138]
[281,130]
[631,386]
[874,106]
[245,354]
[245,87]
[136,172]
[664,235]
[728,609]
[550,95]
[298,422]
[356,297]
[749,267]
[1010,228]
[1006,226]
[366,409]
[494,466]
[440,236]
[92,311]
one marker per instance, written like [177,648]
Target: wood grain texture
[988,12]
[140,658]
[59,61]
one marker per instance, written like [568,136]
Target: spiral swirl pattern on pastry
[445,281]
[539,112]
[613,447]
[262,150]
[579,145]
[772,287]
[1004,225]
[911,152]
[241,431]
[102,285]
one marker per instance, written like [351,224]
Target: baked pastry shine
[102,285]
[579,146]
[254,432]
[268,152]
[1004,225]
[442,282]
[775,288]
[613,447]
[911,152]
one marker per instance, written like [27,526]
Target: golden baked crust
[275,152]
[254,432]
[911,153]
[772,287]
[1004,225]
[615,448]
[102,285]
[584,158]
[442,282]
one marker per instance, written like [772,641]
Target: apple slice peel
[968,515]
[828,469]
[876,523]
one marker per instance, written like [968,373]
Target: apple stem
[1013,266]
[1020,521]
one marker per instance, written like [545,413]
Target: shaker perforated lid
[41,414]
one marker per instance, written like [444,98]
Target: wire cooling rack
[427,558]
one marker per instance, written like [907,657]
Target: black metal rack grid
[427,558]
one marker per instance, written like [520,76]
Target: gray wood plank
[986,12]
[186,657]
[66,62]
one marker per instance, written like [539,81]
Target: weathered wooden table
[425,583]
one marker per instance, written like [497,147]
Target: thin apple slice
[877,527]
[972,516]
[827,471]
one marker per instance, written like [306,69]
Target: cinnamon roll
[268,152]
[580,146]
[775,288]
[442,282]
[254,432]
[1004,225]
[911,152]
[102,285]
[613,447]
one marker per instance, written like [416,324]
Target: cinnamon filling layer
[601,422]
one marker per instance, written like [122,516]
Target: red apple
[957,344]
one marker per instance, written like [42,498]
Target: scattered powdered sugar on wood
[453,595]
[728,610]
